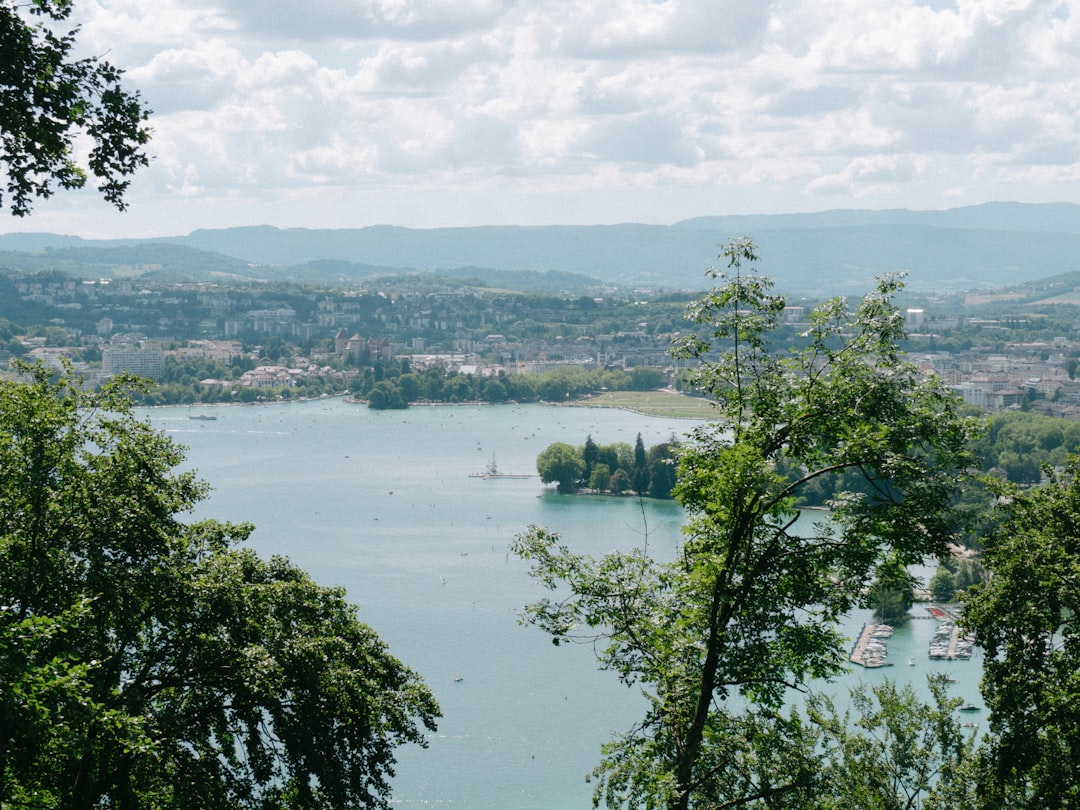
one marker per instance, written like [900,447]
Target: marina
[871,649]
[948,642]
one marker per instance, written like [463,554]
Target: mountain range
[980,247]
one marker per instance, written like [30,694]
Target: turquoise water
[382,504]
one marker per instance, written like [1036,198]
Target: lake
[382,503]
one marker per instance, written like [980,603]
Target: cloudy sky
[429,113]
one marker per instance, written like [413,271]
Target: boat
[969,707]
[202,417]
[492,471]
[911,662]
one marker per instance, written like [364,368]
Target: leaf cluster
[49,100]
[748,609]
[153,662]
[1024,616]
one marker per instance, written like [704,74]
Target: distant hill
[977,247]
[997,216]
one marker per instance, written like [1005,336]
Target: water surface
[381,503]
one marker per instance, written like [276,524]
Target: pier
[870,649]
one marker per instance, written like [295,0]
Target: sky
[447,113]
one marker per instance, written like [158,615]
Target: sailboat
[492,471]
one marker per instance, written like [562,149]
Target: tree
[149,662]
[942,585]
[495,391]
[50,100]
[618,483]
[386,395]
[590,454]
[749,605]
[276,349]
[1024,616]
[640,472]
[662,469]
[895,753]
[892,593]
[600,479]
[560,463]
[645,378]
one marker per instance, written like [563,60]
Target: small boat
[202,417]
[492,471]
[911,662]
[969,707]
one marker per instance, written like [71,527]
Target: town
[247,341]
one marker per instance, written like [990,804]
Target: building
[144,358]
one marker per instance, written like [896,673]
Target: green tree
[56,336]
[895,753]
[968,572]
[386,395]
[590,454]
[410,386]
[662,467]
[600,479]
[495,391]
[645,378]
[562,464]
[617,456]
[51,100]
[640,472]
[276,350]
[750,604]
[893,591]
[152,662]
[942,585]
[1024,616]
[457,388]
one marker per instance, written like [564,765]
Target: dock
[870,649]
[948,643]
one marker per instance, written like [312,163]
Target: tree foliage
[561,464]
[894,753]
[1025,617]
[49,100]
[613,468]
[892,592]
[749,606]
[149,662]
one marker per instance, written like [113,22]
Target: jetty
[949,643]
[870,649]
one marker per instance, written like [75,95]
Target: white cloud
[476,110]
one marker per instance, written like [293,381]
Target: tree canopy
[151,662]
[748,607]
[50,100]
[614,468]
[1025,616]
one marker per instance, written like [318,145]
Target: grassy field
[655,403]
